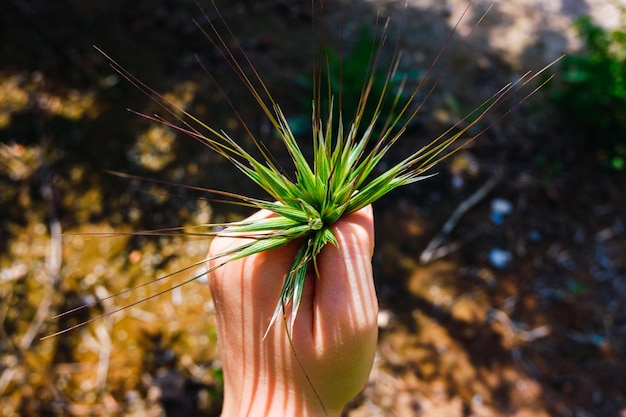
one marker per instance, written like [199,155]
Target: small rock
[500,258]
[500,208]
[534,235]
[384,317]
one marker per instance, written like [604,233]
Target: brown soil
[544,334]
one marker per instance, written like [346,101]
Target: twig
[104,357]
[6,293]
[53,270]
[433,250]
[6,378]
[522,335]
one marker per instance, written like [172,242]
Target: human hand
[334,335]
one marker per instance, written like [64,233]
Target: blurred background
[501,280]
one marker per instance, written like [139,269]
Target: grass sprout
[345,172]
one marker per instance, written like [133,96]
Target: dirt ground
[501,280]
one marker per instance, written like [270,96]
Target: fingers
[342,294]
[360,227]
[345,294]
[224,242]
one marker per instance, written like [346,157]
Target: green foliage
[592,96]
[346,75]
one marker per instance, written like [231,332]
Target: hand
[334,335]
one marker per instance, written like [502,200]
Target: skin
[334,335]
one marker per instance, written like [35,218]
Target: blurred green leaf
[591,98]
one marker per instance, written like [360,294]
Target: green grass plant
[345,173]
